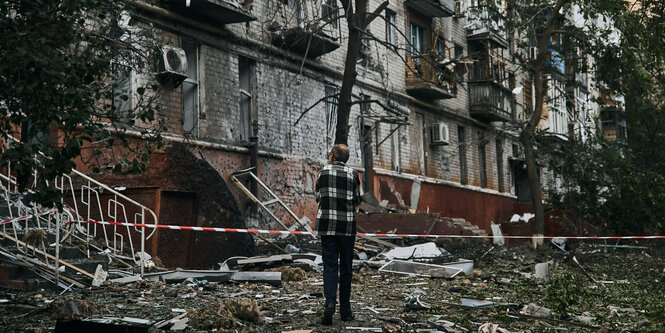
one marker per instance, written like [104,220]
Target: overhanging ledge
[218,10]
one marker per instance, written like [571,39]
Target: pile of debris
[423,287]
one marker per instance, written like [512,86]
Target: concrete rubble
[495,291]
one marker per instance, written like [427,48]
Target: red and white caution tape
[21,218]
[282,232]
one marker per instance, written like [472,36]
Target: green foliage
[621,184]
[567,293]
[56,89]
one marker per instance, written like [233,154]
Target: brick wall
[284,87]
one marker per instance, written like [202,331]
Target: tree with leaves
[536,30]
[613,181]
[59,93]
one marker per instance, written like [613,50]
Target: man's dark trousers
[338,247]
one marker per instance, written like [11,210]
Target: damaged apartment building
[253,84]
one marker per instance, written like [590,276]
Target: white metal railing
[83,199]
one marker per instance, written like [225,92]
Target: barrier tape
[283,232]
[21,218]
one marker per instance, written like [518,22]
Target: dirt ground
[611,290]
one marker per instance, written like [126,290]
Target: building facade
[431,129]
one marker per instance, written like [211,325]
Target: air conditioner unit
[172,64]
[440,134]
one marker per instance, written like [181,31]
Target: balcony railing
[489,101]
[429,78]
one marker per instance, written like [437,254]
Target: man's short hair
[340,152]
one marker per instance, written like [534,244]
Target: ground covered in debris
[590,289]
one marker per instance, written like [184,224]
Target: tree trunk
[355,23]
[528,134]
[528,142]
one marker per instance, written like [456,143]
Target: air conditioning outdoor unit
[440,134]
[172,64]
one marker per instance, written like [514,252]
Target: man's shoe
[348,317]
[328,313]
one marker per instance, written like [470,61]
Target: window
[122,89]
[246,97]
[418,39]
[394,147]
[420,137]
[499,164]
[390,27]
[459,51]
[190,88]
[462,155]
[440,46]
[482,158]
[300,11]
[329,12]
[331,111]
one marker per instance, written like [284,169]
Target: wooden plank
[84,272]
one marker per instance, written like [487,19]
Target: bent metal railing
[83,199]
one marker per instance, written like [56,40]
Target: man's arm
[317,188]
[356,190]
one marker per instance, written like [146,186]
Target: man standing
[338,195]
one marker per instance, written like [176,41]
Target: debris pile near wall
[600,289]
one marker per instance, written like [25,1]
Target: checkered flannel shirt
[338,195]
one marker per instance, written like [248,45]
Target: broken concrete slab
[481,303]
[419,269]
[532,309]
[127,279]
[100,276]
[498,235]
[274,278]
[542,271]
[420,251]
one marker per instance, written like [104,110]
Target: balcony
[613,123]
[429,78]
[219,11]
[433,8]
[308,41]
[489,101]
[486,24]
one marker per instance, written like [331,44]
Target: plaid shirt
[338,195]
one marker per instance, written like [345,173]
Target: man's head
[339,153]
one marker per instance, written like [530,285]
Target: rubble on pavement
[499,294]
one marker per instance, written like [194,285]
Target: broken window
[245,67]
[299,11]
[391,38]
[482,158]
[329,13]
[499,164]
[331,111]
[122,89]
[418,39]
[462,155]
[190,87]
